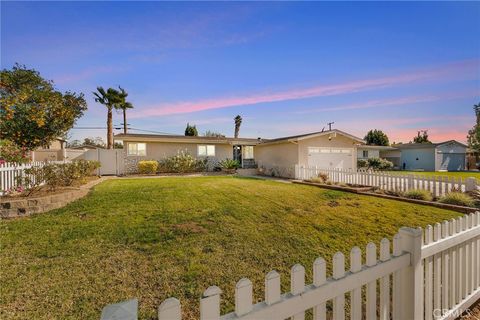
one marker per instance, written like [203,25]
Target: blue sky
[286,67]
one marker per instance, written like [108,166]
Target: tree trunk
[125,121]
[109,129]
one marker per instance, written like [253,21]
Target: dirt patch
[189,227]
[333,203]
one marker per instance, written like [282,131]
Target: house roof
[184,139]
[425,145]
[312,135]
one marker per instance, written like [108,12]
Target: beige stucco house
[334,149]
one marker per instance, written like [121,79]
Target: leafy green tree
[32,112]
[111,99]
[238,122]
[376,137]
[422,137]
[191,130]
[473,137]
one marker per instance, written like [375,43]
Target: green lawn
[455,174]
[157,238]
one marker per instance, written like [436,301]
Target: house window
[248,152]
[206,151]
[365,153]
[137,149]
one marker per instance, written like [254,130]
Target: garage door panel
[453,161]
[333,158]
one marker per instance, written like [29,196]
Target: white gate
[111,160]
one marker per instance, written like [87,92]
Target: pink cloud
[462,70]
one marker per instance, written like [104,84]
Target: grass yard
[455,174]
[157,238]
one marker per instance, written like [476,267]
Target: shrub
[362,163]
[229,164]
[458,198]
[53,176]
[148,166]
[183,162]
[321,178]
[379,164]
[418,195]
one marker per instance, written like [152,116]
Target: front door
[237,154]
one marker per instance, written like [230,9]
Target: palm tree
[110,99]
[238,123]
[124,105]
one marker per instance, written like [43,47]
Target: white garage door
[338,158]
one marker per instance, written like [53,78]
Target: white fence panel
[429,281]
[9,172]
[437,185]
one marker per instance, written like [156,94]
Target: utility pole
[330,125]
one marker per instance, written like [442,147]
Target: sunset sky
[286,68]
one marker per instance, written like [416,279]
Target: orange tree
[32,111]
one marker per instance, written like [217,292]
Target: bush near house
[458,198]
[374,163]
[418,195]
[148,166]
[362,163]
[183,162]
[229,164]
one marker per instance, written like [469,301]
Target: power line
[134,129]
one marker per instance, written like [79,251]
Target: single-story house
[448,155]
[333,149]
[325,149]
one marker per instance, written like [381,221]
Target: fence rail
[431,274]
[10,171]
[437,185]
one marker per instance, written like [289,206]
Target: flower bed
[449,202]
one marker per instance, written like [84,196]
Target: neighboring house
[325,149]
[55,151]
[448,155]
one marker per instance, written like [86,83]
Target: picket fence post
[412,276]
[470,184]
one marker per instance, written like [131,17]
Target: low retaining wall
[26,206]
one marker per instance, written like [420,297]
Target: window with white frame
[206,151]
[137,149]
[365,153]
[247,152]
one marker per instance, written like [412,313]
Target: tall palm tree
[124,105]
[110,99]
[238,123]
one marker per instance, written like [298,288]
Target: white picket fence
[10,171]
[437,185]
[429,275]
